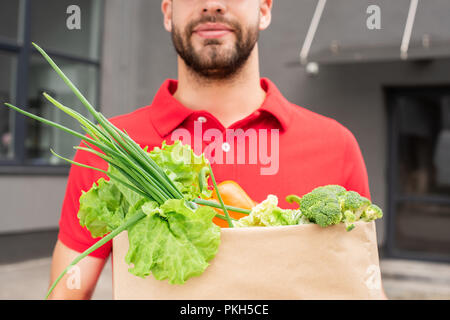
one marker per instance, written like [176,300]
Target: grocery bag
[269,263]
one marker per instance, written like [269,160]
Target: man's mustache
[211,19]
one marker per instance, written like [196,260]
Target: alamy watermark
[73,21]
[373,21]
[234,146]
[373,281]
[73,281]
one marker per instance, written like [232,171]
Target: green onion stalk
[114,146]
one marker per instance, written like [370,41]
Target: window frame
[23,50]
[394,194]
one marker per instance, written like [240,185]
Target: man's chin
[211,50]
[215,74]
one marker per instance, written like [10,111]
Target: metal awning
[410,30]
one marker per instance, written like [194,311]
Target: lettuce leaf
[129,195]
[183,167]
[173,242]
[102,208]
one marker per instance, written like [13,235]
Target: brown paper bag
[292,262]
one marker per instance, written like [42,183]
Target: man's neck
[228,101]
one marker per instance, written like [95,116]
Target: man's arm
[79,284]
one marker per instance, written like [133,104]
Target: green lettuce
[173,242]
[102,208]
[183,167]
[129,195]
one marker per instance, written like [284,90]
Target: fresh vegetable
[332,204]
[267,213]
[183,167]
[173,241]
[102,208]
[325,206]
[232,195]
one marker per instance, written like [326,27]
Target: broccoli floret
[332,204]
[353,206]
[354,202]
[349,218]
[371,213]
[333,188]
[321,205]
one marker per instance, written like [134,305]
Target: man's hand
[78,284]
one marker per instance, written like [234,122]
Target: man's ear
[166,8]
[265,13]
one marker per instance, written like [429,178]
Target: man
[219,97]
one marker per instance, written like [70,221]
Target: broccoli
[371,213]
[322,206]
[349,218]
[333,204]
[353,206]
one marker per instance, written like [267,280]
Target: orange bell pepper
[232,195]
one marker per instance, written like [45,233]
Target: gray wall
[138,56]
[30,203]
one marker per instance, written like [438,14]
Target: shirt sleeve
[71,233]
[355,171]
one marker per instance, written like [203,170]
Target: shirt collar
[276,104]
[167,113]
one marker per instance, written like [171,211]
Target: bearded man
[220,89]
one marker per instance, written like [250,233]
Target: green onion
[219,206]
[224,208]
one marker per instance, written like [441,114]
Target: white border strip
[312,31]
[408,29]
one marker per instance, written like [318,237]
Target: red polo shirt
[279,149]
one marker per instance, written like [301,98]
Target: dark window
[9,20]
[7,84]
[24,143]
[419,215]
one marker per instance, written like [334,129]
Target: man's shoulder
[139,115]
[137,124]
[312,122]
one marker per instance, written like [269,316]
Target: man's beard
[215,65]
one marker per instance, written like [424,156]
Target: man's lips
[212,30]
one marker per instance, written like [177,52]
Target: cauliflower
[267,213]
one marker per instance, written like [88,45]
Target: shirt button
[226,147]
[201,119]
